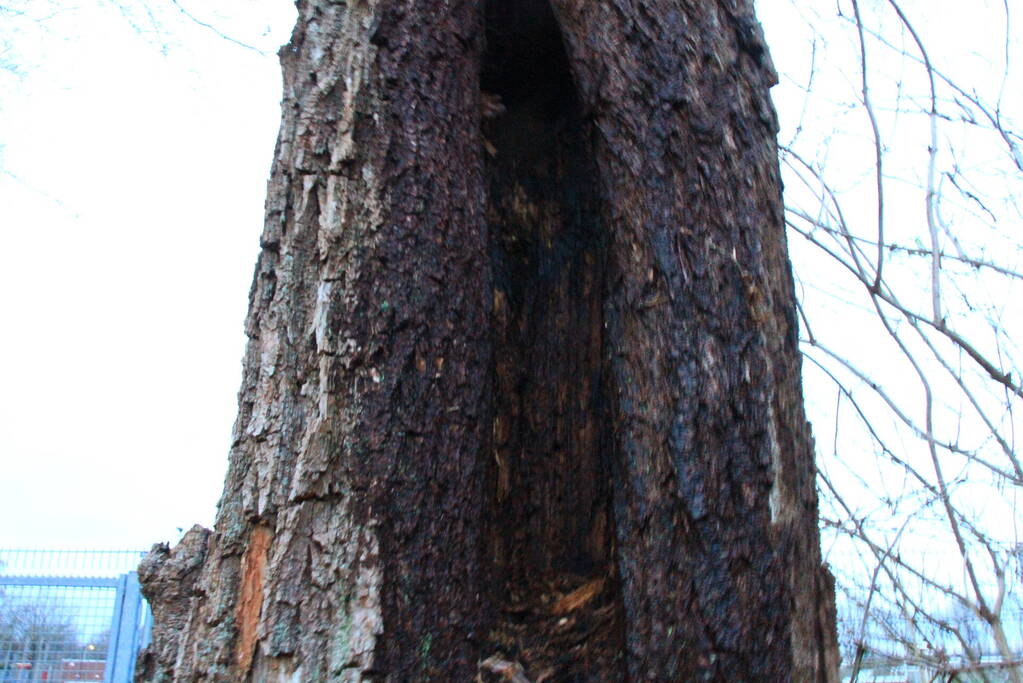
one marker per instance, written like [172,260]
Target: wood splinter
[508,671]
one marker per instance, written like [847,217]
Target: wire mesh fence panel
[78,563]
[69,615]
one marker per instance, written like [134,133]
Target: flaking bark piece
[168,577]
[503,669]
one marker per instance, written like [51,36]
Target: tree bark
[522,389]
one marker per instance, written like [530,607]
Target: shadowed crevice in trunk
[551,539]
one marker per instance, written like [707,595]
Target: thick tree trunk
[521,396]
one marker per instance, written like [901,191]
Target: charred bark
[521,395]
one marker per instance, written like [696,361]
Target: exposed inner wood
[551,507]
[250,601]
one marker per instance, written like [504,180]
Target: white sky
[131,199]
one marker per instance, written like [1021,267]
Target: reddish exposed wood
[250,596]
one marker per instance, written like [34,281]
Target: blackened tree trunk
[522,394]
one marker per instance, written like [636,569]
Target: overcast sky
[133,166]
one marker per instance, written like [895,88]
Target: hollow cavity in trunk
[552,532]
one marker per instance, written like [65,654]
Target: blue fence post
[115,634]
[124,631]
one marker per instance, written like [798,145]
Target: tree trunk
[522,391]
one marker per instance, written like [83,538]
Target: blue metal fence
[70,615]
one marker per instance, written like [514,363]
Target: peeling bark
[521,394]
[168,577]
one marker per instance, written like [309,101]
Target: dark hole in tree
[551,509]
